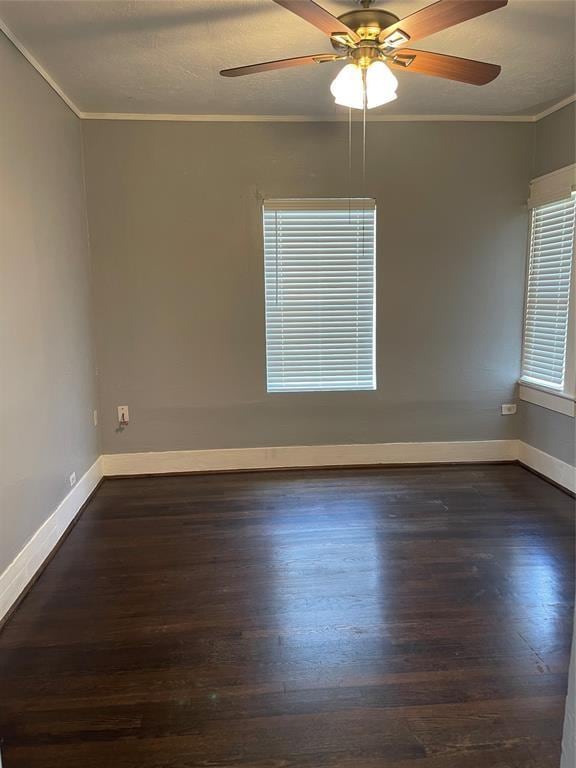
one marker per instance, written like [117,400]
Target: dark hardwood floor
[406,618]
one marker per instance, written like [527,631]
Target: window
[548,352]
[319,259]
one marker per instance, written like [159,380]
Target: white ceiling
[163,57]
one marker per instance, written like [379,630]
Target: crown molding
[554,108]
[305,118]
[376,118]
[39,68]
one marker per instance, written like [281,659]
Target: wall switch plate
[123,414]
[508,409]
[73,479]
[95,417]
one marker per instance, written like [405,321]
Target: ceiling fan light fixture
[349,84]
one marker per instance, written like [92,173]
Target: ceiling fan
[371,41]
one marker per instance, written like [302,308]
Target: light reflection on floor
[312,557]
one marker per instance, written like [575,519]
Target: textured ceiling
[164,57]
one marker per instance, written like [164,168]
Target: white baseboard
[284,457]
[554,469]
[22,569]
[307,456]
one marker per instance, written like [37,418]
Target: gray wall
[554,147]
[555,141]
[46,370]
[176,236]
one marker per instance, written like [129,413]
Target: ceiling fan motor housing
[367,23]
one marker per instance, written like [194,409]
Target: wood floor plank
[354,618]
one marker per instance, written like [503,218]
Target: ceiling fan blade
[319,17]
[436,17]
[267,66]
[450,67]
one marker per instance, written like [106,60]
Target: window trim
[321,204]
[547,398]
[547,189]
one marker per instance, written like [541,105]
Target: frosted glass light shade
[381,85]
[348,86]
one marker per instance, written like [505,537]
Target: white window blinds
[548,293]
[320,267]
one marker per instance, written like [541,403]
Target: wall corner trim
[22,570]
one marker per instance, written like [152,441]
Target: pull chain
[364,106]
[350,149]
[349,162]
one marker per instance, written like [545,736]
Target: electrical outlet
[508,409]
[73,479]
[123,415]
[95,417]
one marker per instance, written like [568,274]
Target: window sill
[553,401]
